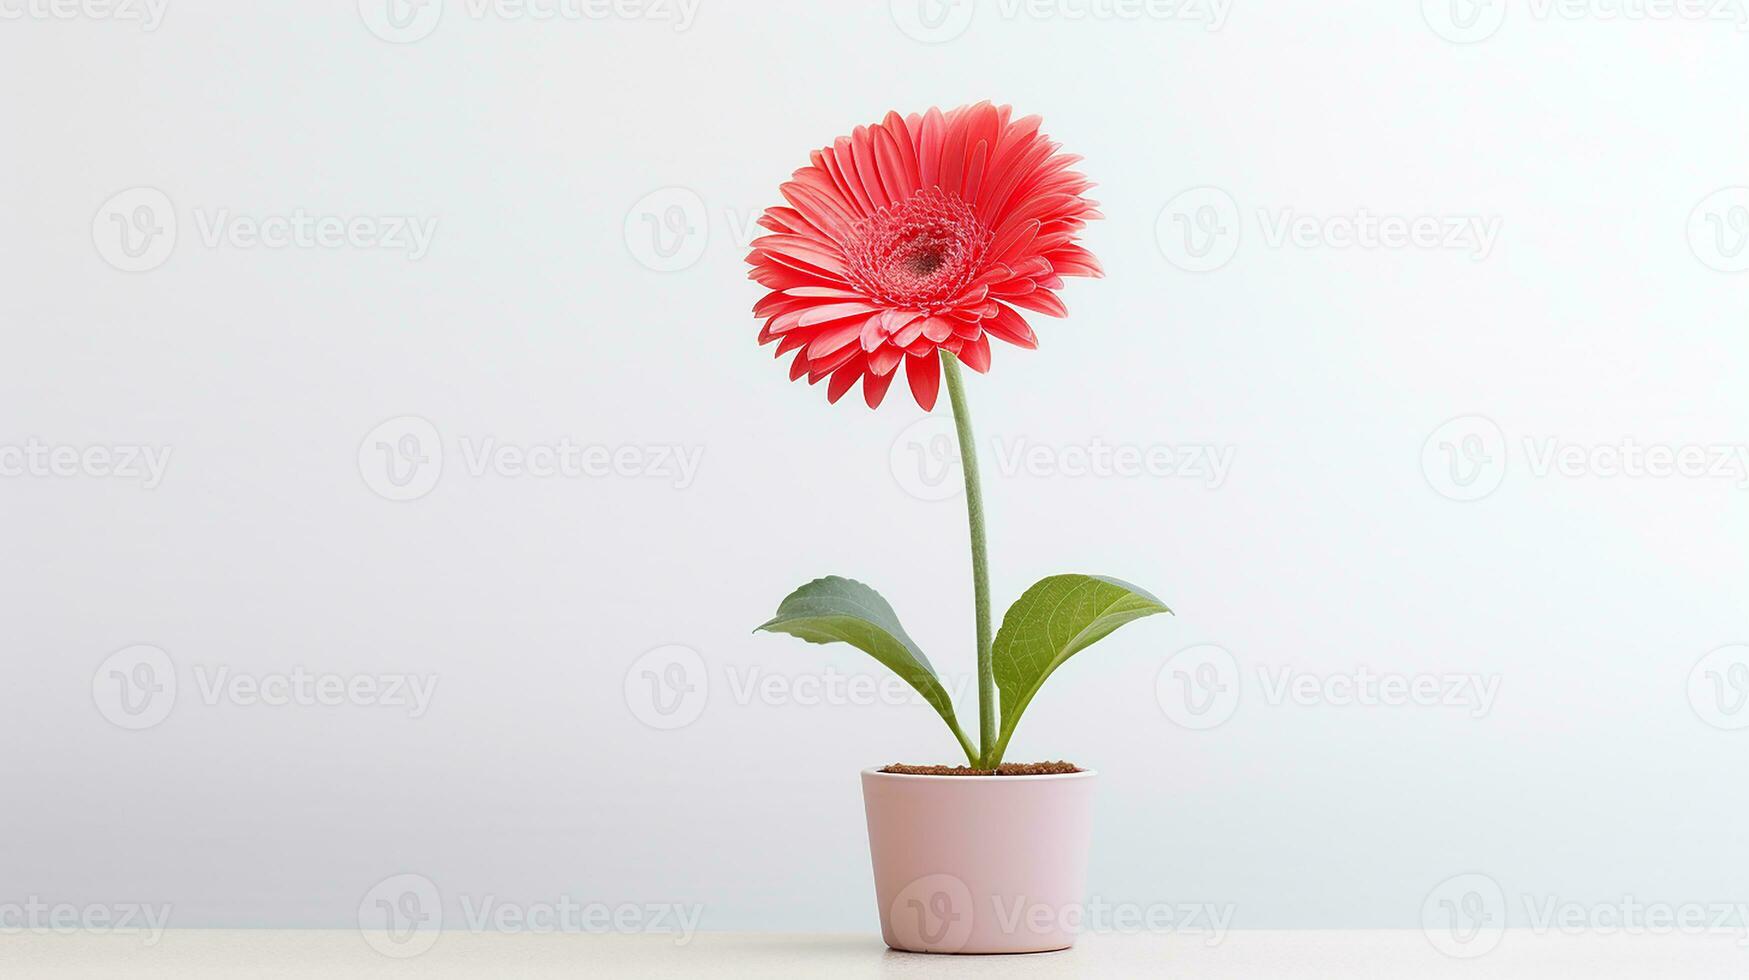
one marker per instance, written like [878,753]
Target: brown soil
[1005,769]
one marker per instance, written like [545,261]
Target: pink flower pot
[979,864]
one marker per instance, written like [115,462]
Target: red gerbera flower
[916,235]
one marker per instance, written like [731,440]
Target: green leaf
[1054,620]
[841,610]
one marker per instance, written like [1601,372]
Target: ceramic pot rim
[1083,774]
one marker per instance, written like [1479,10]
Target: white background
[540,313]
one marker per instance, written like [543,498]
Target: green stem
[962,420]
[966,745]
[995,758]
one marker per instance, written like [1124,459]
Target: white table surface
[1396,954]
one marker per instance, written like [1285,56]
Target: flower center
[919,253]
[925,261]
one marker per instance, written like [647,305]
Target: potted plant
[904,248]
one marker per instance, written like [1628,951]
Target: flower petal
[976,354]
[937,328]
[885,359]
[842,381]
[874,388]
[834,338]
[1012,327]
[1041,300]
[834,311]
[924,374]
